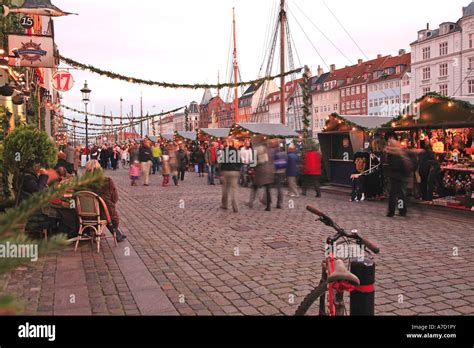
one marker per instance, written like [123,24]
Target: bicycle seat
[342,274]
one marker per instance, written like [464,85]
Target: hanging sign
[438,147]
[35,51]
[27,22]
[62,81]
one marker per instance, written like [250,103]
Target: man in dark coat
[399,169]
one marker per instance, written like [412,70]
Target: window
[471,63]
[426,90]
[426,53]
[364,103]
[335,107]
[398,84]
[471,86]
[443,70]
[376,102]
[358,104]
[358,90]
[353,91]
[443,48]
[471,40]
[364,90]
[343,92]
[443,89]
[343,106]
[353,104]
[371,103]
[426,73]
[397,99]
[406,98]
[316,109]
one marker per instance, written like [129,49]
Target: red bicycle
[336,279]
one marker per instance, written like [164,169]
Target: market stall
[343,140]
[447,126]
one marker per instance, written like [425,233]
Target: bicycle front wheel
[308,301]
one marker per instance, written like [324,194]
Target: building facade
[443,58]
[389,88]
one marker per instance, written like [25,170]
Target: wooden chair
[88,208]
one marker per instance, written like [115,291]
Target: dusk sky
[188,41]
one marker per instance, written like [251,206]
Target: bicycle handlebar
[328,221]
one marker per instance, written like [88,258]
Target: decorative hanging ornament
[18,99]
[38,8]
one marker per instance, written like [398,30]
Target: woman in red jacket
[312,170]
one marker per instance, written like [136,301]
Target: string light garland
[139,81]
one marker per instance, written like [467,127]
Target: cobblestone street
[180,258]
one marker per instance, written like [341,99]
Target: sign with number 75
[62,81]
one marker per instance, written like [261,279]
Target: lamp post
[74,132]
[86,92]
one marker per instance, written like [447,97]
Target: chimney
[320,70]
[359,61]
[333,68]
[379,56]
[402,52]
[427,26]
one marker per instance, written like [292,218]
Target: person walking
[398,167]
[312,170]
[280,161]
[145,157]
[264,174]
[115,157]
[165,170]
[211,161]
[230,172]
[182,162]
[134,172]
[156,152]
[292,171]
[71,155]
[246,157]
[199,158]
[174,165]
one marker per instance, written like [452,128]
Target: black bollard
[363,297]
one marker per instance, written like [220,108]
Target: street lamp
[86,92]
[74,132]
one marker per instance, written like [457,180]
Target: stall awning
[276,130]
[215,132]
[153,138]
[168,137]
[368,122]
[187,135]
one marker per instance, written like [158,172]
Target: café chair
[88,208]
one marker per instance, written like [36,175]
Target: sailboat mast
[282,62]
[218,100]
[141,115]
[236,69]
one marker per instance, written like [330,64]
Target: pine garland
[186,119]
[134,80]
[144,118]
[306,102]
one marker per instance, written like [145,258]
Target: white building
[443,58]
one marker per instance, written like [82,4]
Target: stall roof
[216,132]
[369,122]
[153,138]
[187,135]
[168,137]
[270,129]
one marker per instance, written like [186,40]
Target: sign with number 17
[62,81]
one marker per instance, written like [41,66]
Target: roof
[206,97]
[369,122]
[38,4]
[187,135]
[270,129]
[216,132]
[468,10]
[193,108]
[392,62]
[169,137]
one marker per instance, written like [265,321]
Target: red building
[354,94]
